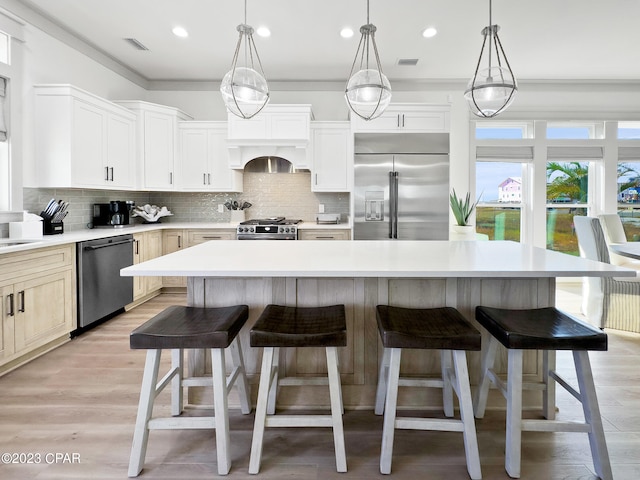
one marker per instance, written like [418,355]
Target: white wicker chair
[607,302]
[614,235]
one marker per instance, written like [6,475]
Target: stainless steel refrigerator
[401,186]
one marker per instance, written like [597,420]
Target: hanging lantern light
[492,89]
[368,91]
[244,89]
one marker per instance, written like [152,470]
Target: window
[629,130]
[574,131]
[504,131]
[4,48]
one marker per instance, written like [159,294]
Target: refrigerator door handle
[393,204]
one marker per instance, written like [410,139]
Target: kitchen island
[361,275]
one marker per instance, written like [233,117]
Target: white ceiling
[543,39]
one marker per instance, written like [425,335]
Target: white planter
[237,216]
[462,232]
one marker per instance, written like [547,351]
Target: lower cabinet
[196,237]
[172,241]
[38,291]
[324,234]
[147,245]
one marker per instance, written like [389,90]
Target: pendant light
[368,91]
[244,88]
[492,89]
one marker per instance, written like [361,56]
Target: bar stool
[443,329]
[177,328]
[545,329]
[281,326]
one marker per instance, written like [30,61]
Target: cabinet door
[153,249]
[424,121]
[331,159]
[221,178]
[159,134]
[194,155]
[173,241]
[88,145]
[7,317]
[44,309]
[139,283]
[120,160]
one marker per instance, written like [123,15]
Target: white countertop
[363,258]
[92,234]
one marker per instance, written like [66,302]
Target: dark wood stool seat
[176,328]
[540,329]
[283,326]
[433,328]
[443,329]
[546,329]
[190,327]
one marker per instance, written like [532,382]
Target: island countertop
[366,259]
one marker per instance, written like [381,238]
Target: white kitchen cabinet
[38,297]
[204,158]
[406,117]
[274,122]
[157,140]
[82,141]
[173,240]
[332,151]
[324,234]
[147,245]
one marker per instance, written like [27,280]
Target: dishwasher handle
[96,247]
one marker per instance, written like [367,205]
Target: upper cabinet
[157,140]
[82,140]
[274,122]
[332,156]
[406,117]
[204,158]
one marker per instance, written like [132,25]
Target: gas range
[274,228]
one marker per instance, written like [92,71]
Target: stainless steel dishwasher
[101,290]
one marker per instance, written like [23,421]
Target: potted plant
[462,210]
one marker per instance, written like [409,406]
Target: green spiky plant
[462,210]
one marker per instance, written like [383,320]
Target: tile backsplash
[286,195]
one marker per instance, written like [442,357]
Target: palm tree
[570,180]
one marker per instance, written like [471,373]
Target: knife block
[52,228]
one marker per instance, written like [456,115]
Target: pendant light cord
[490,34]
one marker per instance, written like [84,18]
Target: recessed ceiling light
[263,32]
[180,32]
[429,32]
[346,32]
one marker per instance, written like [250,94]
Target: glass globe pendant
[368,91]
[244,89]
[491,89]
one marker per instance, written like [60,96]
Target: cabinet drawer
[20,264]
[195,237]
[324,234]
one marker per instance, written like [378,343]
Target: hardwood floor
[82,398]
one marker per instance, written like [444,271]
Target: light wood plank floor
[82,399]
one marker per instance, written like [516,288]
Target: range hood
[293,153]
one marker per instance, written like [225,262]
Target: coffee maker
[112,214]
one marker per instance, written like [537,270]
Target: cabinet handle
[112,174]
[21,301]
[403,120]
[10,305]
[137,247]
[204,178]
[106,173]
[208,237]
[209,178]
[398,119]
[325,237]
[179,241]
[170,178]
[315,181]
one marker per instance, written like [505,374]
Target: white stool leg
[447,389]
[336,408]
[381,389]
[223,439]
[592,416]
[514,413]
[273,390]
[489,351]
[466,414]
[389,422]
[261,410]
[145,409]
[549,393]
[241,379]
[177,362]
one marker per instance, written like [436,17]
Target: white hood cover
[241,154]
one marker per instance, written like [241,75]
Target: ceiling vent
[135,44]
[411,62]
